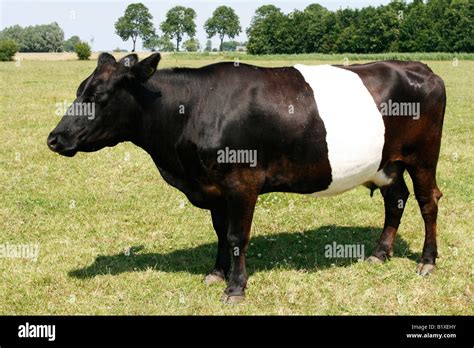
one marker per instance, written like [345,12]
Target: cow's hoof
[425,269]
[235,299]
[374,259]
[213,278]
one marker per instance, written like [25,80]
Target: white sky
[94,20]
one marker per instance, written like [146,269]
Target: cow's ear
[106,58]
[129,60]
[143,70]
[83,84]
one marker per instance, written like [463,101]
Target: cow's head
[105,111]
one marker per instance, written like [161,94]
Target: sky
[93,21]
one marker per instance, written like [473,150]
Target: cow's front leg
[222,266]
[240,208]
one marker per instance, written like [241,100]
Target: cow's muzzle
[57,143]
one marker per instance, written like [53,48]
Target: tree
[161,43]
[53,36]
[376,30]
[179,22]
[14,33]
[208,47]
[230,45]
[224,22]
[459,31]
[314,29]
[415,29]
[268,19]
[83,50]
[165,44]
[135,23]
[191,45]
[70,43]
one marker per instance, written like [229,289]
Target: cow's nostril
[52,141]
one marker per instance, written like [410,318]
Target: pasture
[114,238]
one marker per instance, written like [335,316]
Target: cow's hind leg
[395,196]
[427,194]
[223,260]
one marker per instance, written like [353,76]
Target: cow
[225,133]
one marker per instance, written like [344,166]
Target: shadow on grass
[289,250]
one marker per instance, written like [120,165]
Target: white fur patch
[354,126]
[381,179]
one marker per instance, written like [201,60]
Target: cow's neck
[163,118]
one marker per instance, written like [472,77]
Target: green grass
[336,57]
[121,202]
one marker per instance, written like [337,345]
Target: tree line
[35,38]
[418,26]
[40,38]
[431,26]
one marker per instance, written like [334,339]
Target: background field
[85,212]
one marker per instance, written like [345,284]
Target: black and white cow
[318,130]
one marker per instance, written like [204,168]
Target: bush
[8,48]
[83,50]
[71,43]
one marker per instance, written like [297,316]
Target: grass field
[114,238]
[261,58]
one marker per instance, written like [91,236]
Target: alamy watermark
[19,251]
[344,251]
[28,330]
[75,109]
[228,155]
[393,108]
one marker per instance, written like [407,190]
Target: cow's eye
[96,96]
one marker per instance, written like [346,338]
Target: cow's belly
[354,127]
